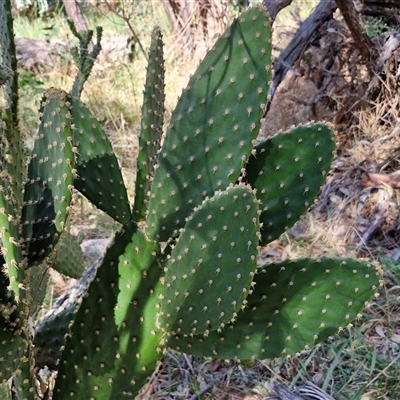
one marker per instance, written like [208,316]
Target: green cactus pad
[8,61]
[288,171]
[68,256]
[50,337]
[9,223]
[13,345]
[9,130]
[295,305]
[216,120]
[48,190]
[151,126]
[24,380]
[36,282]
[113,346]
[211,267]
[99,176]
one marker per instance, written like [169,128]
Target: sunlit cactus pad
[114,339]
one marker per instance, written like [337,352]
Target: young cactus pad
[151,125]
[212,129]
[99,177]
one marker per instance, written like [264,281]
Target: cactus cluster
[183,270]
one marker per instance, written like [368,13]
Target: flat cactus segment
[48,190]
[36,282]
[50,337]
[152,124]
[11,253]
[13,348]
[68,256]
[114,338]
[288,171]
[99,176]
[12,155]
[13,345]
[9,131]
[210,269]
[295,305]
[8,59]
[24,380]
[214,124]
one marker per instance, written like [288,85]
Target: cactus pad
[68,256]
[151,125]
[211,267]
[294,306]
[51,173]
[288,171]
[99,176]
[211,132]
[13,345]
[113,339]
[9,222]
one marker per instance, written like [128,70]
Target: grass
[362,362]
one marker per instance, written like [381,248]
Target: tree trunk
[274,6]
[361,40]
[299,43]
[74,13]
[196,23]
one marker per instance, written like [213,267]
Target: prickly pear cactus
[182,272]
[99,176]
[114,339]
[46,199]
